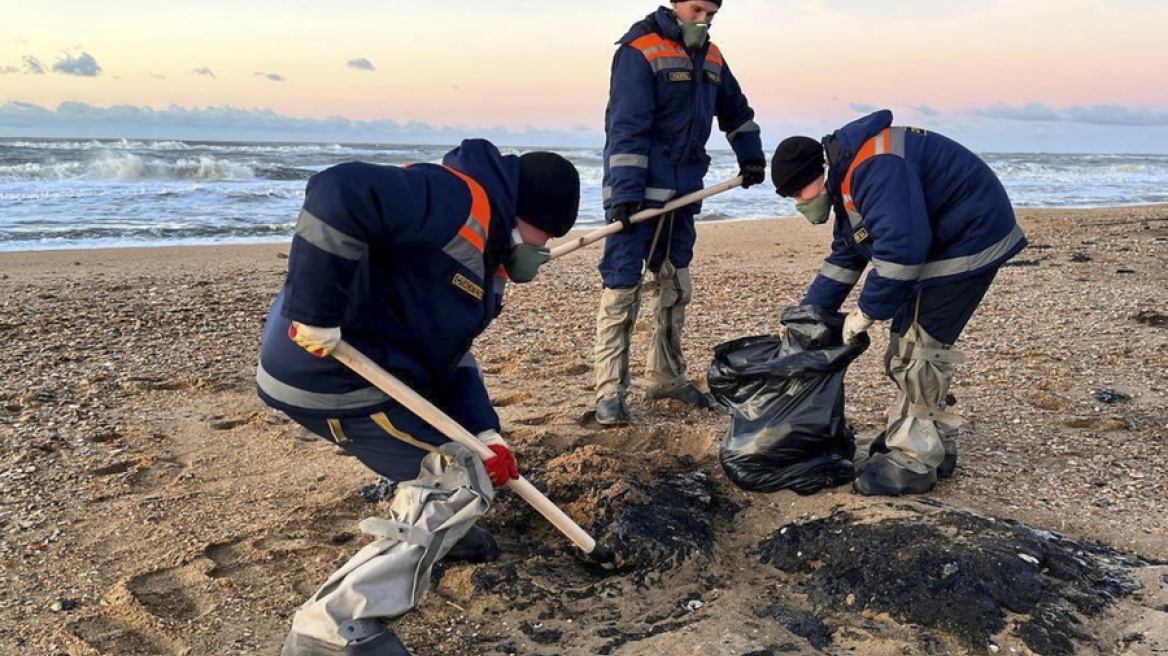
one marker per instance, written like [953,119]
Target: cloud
[83,65]
[1116,115]
[33,65]
[274,77]
[1028,112]
[925,110]
[361,64]
[863,108]
[204,71]
[226,123]
[8,70]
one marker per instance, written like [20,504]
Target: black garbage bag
[785,395]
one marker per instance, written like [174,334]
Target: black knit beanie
[717,2]
[798,161]
[549,192]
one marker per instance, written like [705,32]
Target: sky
[998,75]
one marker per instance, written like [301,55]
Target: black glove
[622,211]
[753,171]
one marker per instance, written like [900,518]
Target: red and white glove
[501,467]
[314,339]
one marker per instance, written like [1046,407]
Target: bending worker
[408,264]
[935,224]
[668,83]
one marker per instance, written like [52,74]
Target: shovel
[597,235]
[403,394]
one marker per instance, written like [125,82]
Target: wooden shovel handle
[596,235]
[403,394]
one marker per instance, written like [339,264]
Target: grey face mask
[816,210]
[524,261]
[694,34]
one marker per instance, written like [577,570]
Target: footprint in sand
[109,636]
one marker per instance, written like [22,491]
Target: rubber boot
[612,411]
[894,474]
[383,643]
[688,394]
[948,466]
[477,546]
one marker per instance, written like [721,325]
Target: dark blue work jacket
[919,207]
[661,106]
[407,261]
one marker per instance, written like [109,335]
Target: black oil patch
[957,573]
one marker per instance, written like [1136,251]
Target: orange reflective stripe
[480,212]
[877,145]
[651,41]
[715,55]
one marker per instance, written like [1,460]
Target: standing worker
[936,225]
[408,264]
[668,83]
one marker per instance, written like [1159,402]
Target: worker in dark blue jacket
[668,84]
[935,225]
[408,264]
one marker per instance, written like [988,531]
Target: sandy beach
[150,504]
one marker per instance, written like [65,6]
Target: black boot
[612,411]
[383,643]
[477,546]
[688,394]
[948,465]
[890,474]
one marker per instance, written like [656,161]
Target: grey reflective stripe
[329,239]
[300,398]
[651,193]
[712,66]
[840,274]
[749,126]
[955,265]
[659,194]
[894,271]
[465,253]
[662,63]
[855,218]
[639,161]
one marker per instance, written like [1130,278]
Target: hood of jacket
[499,176]
[841,145]
[663,22]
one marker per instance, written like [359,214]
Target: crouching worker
[408,265]
[936,225]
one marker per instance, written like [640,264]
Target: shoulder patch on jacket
[467,285]
[860,235]
[680,76]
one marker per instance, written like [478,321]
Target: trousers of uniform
[921,361]
[391,442]
[664,247]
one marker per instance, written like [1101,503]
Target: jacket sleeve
[628,125]
[838,274]
[888,193]
[467,400]
[347,209]
[736,119]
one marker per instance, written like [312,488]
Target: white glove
[491,436]
[314,339]
[855,323]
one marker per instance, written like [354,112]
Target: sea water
[100,193]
